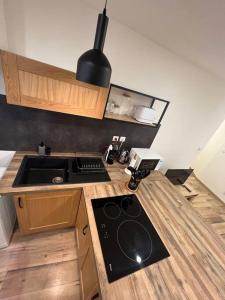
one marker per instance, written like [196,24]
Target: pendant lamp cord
[104,11]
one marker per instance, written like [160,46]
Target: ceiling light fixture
[93,66]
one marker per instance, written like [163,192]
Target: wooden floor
[41,266]
[211,208]
[44,266]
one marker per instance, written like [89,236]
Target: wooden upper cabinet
[34,84]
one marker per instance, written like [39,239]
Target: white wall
[3,42]
[3,36]
[58,32]
[210,164]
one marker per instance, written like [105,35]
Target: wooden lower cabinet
[88,271]
[41,211]
[82,232]
[89,277]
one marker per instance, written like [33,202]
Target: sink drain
[57,180]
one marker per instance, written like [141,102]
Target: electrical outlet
[122,139]
[115,138]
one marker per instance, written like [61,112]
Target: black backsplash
[24,128]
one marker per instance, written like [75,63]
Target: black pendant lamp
[93,66]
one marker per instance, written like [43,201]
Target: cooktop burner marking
[134,241]
[131,207]
[111,210]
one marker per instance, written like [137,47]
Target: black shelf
[152,100]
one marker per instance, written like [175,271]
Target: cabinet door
[82,231]
[34,84]
[40,211]
[89,277]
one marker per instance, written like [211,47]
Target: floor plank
[62,292]
[38,249]
[40,266]
[219,228]
[2,278]
[39,278]
[208,205]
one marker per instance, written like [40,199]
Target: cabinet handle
[85,230]
[20,202]
[95,296]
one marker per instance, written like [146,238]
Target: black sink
[44,170]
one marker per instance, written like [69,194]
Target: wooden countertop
[116,173]
[196,266]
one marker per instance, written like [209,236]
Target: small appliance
[128,239]
[109,155]
[144,158]
[136,177]
[144,114]
[178,176]
[112,152]
[124,156]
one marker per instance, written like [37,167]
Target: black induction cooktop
[128,239]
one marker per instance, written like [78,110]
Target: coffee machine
[142,162]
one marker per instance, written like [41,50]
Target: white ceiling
[193,29]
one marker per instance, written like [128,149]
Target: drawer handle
[95,296]
[85,230]
[20,202]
